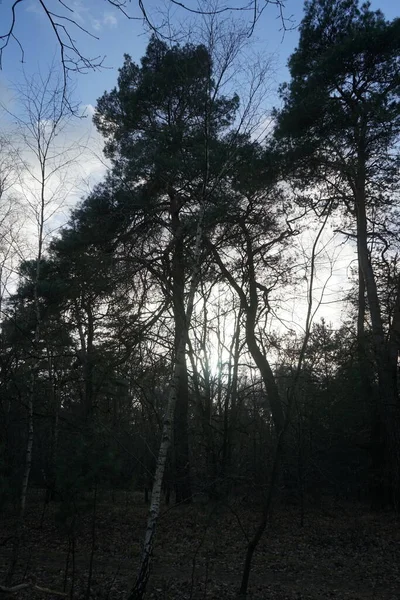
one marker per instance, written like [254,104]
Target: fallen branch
[23,586]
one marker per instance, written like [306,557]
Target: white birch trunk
[139,588]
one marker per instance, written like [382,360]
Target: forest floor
[342,551]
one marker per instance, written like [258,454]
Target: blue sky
[118,35]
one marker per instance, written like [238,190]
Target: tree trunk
[230,398]
[394,338]
[364,366]
[29,446]
[55,407]
[88,365]
[30,403]
[183,488]
[385,481]
[252,545]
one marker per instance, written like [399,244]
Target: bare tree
[11,218]
[44,185]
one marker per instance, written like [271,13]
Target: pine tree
[340,123]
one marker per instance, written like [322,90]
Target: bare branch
[5,38]
[71,57]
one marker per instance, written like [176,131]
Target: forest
[196,400]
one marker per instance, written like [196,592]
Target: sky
[118,35]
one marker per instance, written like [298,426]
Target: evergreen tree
[341,123]
[165,127]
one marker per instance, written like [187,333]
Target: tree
[175,149]
[255,240]
[255,232]
[164,128]
[44,117]
[341,122]
[11,222]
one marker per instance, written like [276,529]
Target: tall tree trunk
[367,392]
[394,338]
[364,367]
[55,408]
[208,401]
[230,398]
[86,358]
[385,443]
[88,364]
[31,392]
[183,488]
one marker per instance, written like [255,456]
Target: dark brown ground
[342,552]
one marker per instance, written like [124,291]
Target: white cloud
[81,13]
[110,20]
[107,20]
